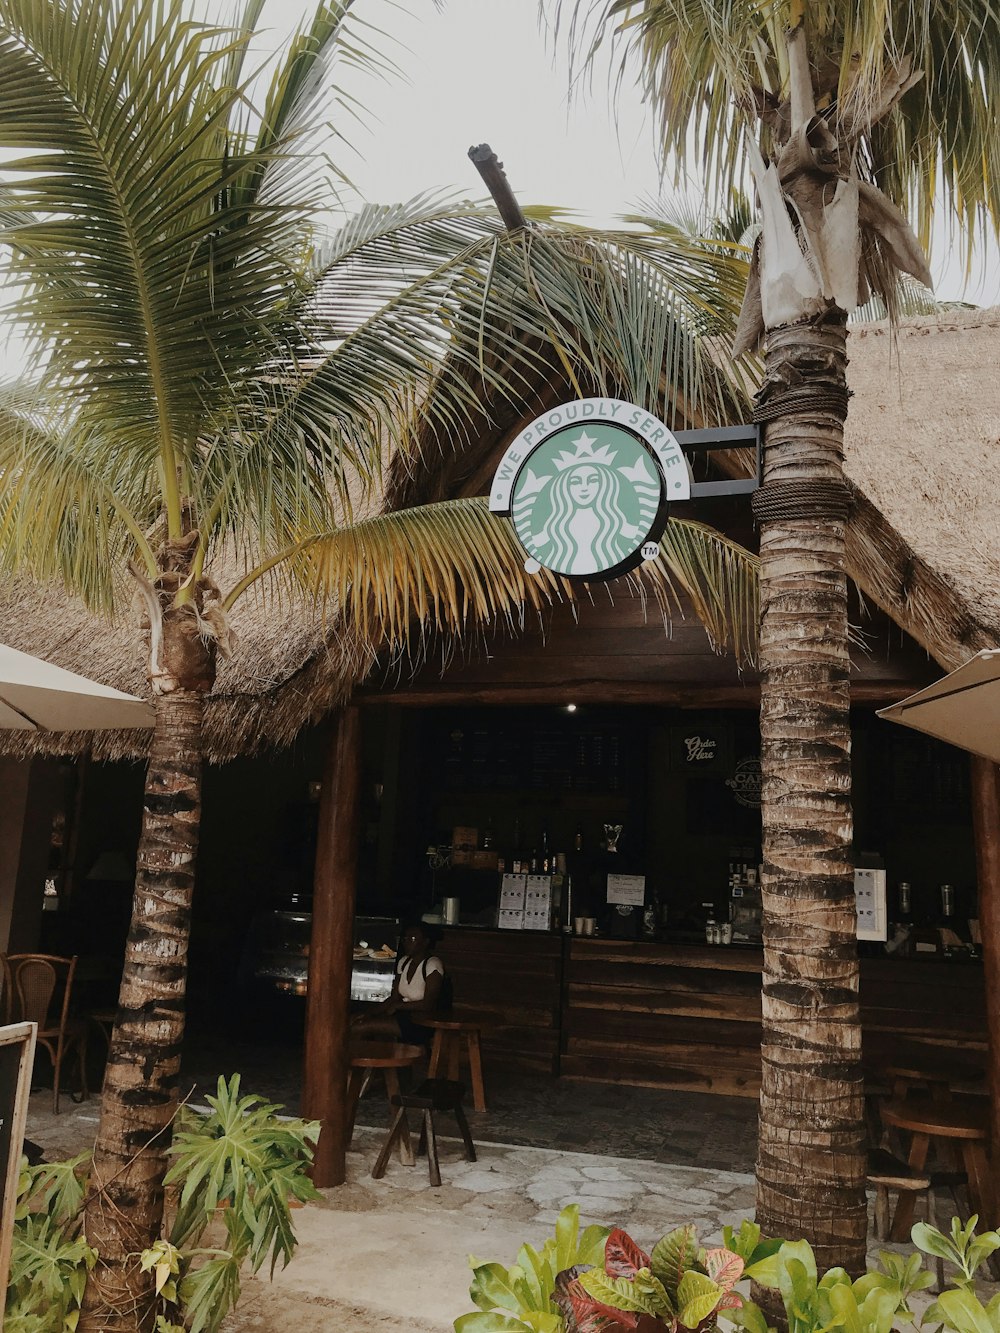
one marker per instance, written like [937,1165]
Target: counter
[676,1015]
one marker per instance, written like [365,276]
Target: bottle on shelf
[711,926]
[517,865]
[534,862]
[904,900]
[578,839]
[546,861]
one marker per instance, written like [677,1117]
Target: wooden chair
[434,1094]
[32,980]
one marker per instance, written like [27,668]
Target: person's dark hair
[430,933]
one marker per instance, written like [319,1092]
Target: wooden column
[324,1089]
[986,825]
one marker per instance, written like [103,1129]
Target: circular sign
[586,487]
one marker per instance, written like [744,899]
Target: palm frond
[444,569]
[710,68]
[66,511]
[454,313]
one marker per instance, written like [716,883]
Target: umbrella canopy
[963,708]
[37,696]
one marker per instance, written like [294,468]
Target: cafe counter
[676,1015]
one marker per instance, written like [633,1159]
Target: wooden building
[923,460]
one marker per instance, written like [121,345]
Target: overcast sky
[478,71]
[486,71]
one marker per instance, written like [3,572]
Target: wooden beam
[986,827]
[874,693]
[324,1087]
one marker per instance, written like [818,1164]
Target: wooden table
[388,1056]
[912,1066]
[962,1123]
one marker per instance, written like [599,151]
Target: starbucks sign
[587,486]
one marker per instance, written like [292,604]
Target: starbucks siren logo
[586,485]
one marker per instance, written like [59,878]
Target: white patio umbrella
[963,708]
[37,696]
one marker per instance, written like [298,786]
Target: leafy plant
[241,1162]
[869,1304]
[678,1286]
[959,1308]
[520,1297]
[603,1281]
[49,1258]
[613,1286]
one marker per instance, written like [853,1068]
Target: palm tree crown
[711,68]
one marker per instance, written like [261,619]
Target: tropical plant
[680,1285]
[241,1162]
[846,114]
[872,1303]
[49,1257]
[603,1281]
[523,1292]
[219,386]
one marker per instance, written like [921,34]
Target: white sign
[586,486]
[512,891]
[627,889]
[869,897]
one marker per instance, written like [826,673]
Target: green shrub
[240,1166]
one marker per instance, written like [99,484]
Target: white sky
[475,71]
[484,71]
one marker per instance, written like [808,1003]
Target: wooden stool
[434,1094]
[447,1049]
[366,1058]
[954,1122]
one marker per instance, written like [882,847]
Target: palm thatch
[922,456]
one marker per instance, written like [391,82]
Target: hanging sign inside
[587,486]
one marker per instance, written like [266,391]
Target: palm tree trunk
[810,1170]
[125,1207]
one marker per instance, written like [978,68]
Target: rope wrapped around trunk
[817,398]
[814,497]
[810,498]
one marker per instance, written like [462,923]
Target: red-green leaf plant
[615,1287]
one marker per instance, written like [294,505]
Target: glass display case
[278,953]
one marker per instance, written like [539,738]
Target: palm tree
[846,114]
[220,385]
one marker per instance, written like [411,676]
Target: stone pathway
[391,1256]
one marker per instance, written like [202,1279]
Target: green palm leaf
[441,568]
[708,68]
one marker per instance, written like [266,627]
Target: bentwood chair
[34,981]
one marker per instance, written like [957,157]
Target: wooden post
[324,1090]
[491,169]
[986,826]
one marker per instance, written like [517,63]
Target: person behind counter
[417,992]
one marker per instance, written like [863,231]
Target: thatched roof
[923,451]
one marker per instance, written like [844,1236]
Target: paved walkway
[390,1256]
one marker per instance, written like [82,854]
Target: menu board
[629,890]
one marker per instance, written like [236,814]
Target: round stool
[447,1049]
[387,1056]
[959,1123]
